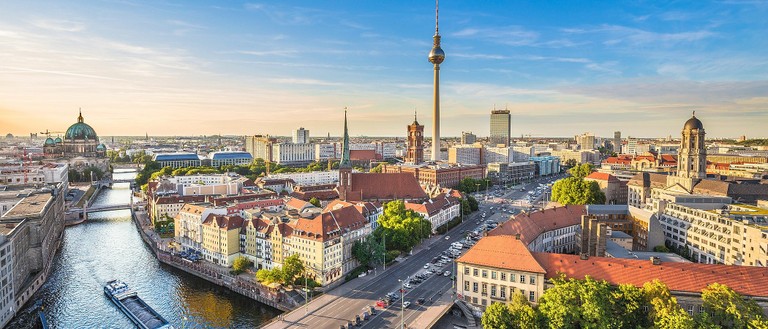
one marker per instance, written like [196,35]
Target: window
[485,273]
[493,275]
[512,277]
[503,276]
[503,292]
[466,270]
[485,289]
[522,278]
[474,287]
[474,272]
[532,296]
[466,285]
[493,290]
[532,279]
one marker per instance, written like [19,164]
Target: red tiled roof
[530,226]
[329,224]
[362,155]
[602,176]
[227,222]
[502,251]
[683,277]
[384,186]
[320,195]
[297,204]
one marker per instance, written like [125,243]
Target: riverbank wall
[216,274]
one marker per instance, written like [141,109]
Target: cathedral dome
[49,141]
[693,123]
[80,131]
[101,147]
[57,140]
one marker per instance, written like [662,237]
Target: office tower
[501,123]
[301,136]
[468,137]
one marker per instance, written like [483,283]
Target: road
[338,310]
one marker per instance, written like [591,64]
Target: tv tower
[436,56]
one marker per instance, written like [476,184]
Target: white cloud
[59,25]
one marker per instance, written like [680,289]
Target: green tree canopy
[524,316]
[292,268]
[497,316]
[315,202]
[576,190]
[274,275]
[581,171]
[240,264]
[729,309]
[664,311]
[402,228]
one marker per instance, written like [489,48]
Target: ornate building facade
[415,153]
[80,140]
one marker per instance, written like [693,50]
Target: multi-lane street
[342,305]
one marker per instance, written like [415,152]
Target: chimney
[655,260]
[584,256]
[517,236]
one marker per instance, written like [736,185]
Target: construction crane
[48,133]
[25,162]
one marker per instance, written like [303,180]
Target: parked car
[447,273]
[420,301]
[406,304]
[447,237]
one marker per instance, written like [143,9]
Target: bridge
[102,208]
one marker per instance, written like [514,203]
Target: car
[447,237]
[426,265]
[406,304]
[447,273]
[381,303]
[420,301]
[428,272]
[407,285]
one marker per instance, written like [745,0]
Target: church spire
[345,147]
[80,117]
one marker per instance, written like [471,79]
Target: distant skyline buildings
[628,66]
[300,136]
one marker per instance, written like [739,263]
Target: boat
[134,307]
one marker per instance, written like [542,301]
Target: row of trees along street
[577,190]
[588,303]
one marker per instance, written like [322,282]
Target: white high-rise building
[301,136]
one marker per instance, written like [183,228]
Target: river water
[108,247]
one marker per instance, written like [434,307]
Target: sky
[241,68]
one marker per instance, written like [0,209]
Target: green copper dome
[101,147]
[80,131]
[57,140]
[49,141]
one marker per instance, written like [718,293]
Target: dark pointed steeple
[80,117]
[345,147]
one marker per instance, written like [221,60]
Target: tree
[664,311]
[473,205]
[240,264]
[378,168]
[497,316]
[401,227]
[292,268]
[575,190]
[274,275]
[560,305]
[315,202]
[660,248]
[570,163]
[728,308]
[524,316]
[581,171]
[629,306]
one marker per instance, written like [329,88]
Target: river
[107,247]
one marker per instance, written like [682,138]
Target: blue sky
[210,67]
